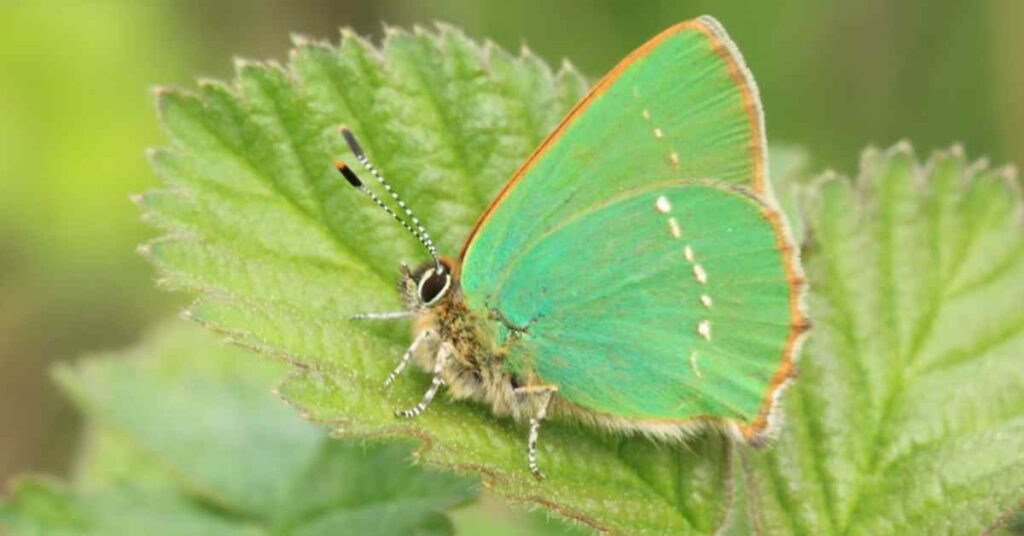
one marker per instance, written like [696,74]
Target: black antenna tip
[350,139]
[349,174]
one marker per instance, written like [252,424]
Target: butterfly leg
[383,316]
[407,356]
[435,384]
[541,397]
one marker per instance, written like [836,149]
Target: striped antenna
[416,228]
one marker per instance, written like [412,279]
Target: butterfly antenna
[416,228]
[357,150]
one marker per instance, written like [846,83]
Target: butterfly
[634,274]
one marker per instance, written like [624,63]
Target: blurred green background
[76,114]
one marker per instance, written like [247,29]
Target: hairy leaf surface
[906,417]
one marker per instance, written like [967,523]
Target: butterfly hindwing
[669,302]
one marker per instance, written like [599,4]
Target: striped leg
[383,316]
[435,384]
[424,335]
[543,394]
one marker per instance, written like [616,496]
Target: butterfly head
[426,287]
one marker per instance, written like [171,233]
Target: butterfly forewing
[681,106]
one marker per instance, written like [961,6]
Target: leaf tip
[1009,172]
[567,67]
[445,28]
[209,83]
[392,31]
[301,40]
[160,91]
[348,34]
[902,147]
[243,65]
[524,51]
[420,31]
[979,166]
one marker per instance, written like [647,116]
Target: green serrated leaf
[908,417]
[187,440]
[903,419]
[284,253]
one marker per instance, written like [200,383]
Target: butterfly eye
[433,286]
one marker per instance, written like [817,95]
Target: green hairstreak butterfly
[635,273]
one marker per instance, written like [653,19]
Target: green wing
[611,305]
[671,302]
[682,105]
